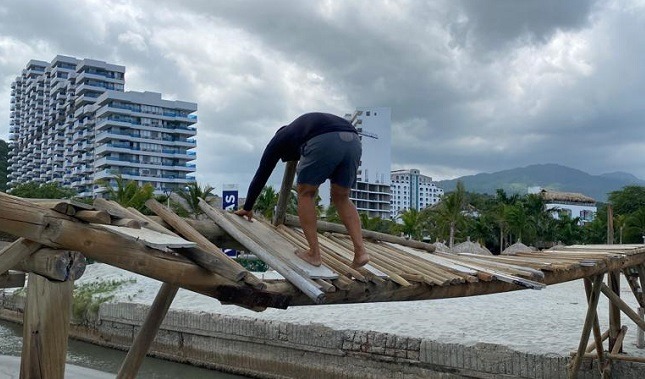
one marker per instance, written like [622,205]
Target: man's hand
[244,213]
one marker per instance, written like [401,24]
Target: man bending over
[328,147]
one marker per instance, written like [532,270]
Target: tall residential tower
[72,123]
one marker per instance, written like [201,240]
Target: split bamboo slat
[392,273]
[305,284]
[427,274]
[328,258]
[188,232]
[416,262]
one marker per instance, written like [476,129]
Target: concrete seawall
[271,349]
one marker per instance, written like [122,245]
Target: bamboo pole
[305,284]
[285,192]
[621,305]
[323,226]
[613,280]
[598,338]
[45,328]
[132,362]
[586,329]
[213,255]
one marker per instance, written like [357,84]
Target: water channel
[89,361]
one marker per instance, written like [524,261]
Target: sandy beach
[547,321]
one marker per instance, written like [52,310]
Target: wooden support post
[46,328]
[285,192]
[613,282]
[141,345]
[621,306]
[589,319]
[640,333]
[598,338]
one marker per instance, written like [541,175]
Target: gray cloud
[474,86]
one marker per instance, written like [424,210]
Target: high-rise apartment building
[371,193]
[411,190]
[72,123]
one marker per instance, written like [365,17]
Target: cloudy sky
[474,86]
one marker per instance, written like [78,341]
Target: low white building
[569,203]
[411,190]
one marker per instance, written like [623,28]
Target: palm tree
[193,193]
[411,226]
[128,193]
[636,225]
[266,202]
[451,209]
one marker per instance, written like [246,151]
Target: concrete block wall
[273,349]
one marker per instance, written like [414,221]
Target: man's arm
[268,162]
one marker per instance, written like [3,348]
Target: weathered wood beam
[285,192]
[613,280]
[623,306]
[57,265]
[208,229]
[46,328]
[58,231]
[12,279]
[143,340]
[20,249]
[97,217]
[596,325]
[324,226]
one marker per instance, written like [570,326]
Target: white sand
[545,321]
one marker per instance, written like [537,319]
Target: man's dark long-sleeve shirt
[287,143]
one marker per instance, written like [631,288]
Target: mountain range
[549,176]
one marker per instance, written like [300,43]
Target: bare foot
[306,256]
[360,260]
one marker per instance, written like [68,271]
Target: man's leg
[349,216]
[308,219]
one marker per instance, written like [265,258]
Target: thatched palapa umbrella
[470,247]
[517,247]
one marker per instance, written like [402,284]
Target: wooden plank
[46,328]
[148,237]
[444,262]
[347,252]
[156,314]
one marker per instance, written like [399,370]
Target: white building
[371,194]
[54,124]
[411,190]
[569,203]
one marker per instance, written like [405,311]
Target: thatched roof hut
[517,247]
[569,197]
[471,248]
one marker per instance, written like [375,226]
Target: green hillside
[4,155]
[550,176]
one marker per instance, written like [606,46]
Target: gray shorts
[334,156]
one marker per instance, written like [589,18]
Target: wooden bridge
[55,236]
